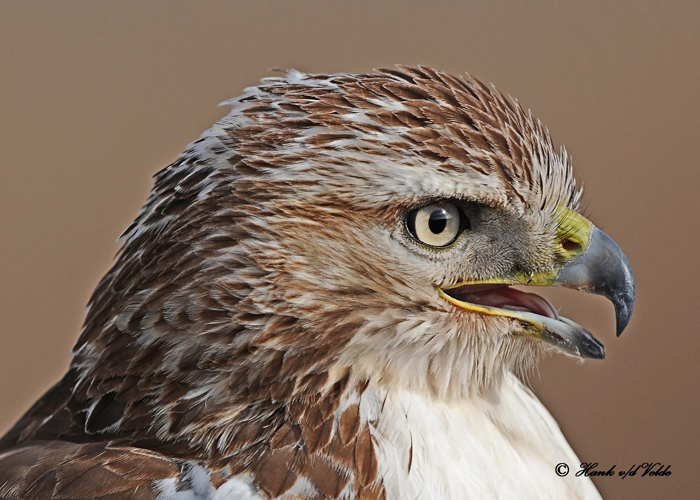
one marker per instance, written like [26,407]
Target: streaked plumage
[271,330]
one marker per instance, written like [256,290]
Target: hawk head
[340,229]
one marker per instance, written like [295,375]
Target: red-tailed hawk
[314,303]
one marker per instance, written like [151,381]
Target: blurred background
[95,97]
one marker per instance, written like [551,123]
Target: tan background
[95,97]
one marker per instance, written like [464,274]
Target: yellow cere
[573,234]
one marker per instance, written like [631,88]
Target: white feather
[503,444]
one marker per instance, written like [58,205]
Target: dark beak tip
[621,325]
[590,347]
[595,351]
[623,312]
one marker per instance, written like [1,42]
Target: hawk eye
[436,225]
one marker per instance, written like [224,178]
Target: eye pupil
[438,221]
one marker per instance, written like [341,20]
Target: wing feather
[70,471]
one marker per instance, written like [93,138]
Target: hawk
[317,302]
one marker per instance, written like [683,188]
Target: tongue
[505,298]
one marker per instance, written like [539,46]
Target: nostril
[570,245]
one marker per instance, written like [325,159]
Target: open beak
[600,267]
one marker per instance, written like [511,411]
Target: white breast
[501,445]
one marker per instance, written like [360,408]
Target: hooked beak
[603,270]
[598,266]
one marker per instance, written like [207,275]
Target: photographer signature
[650,469]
